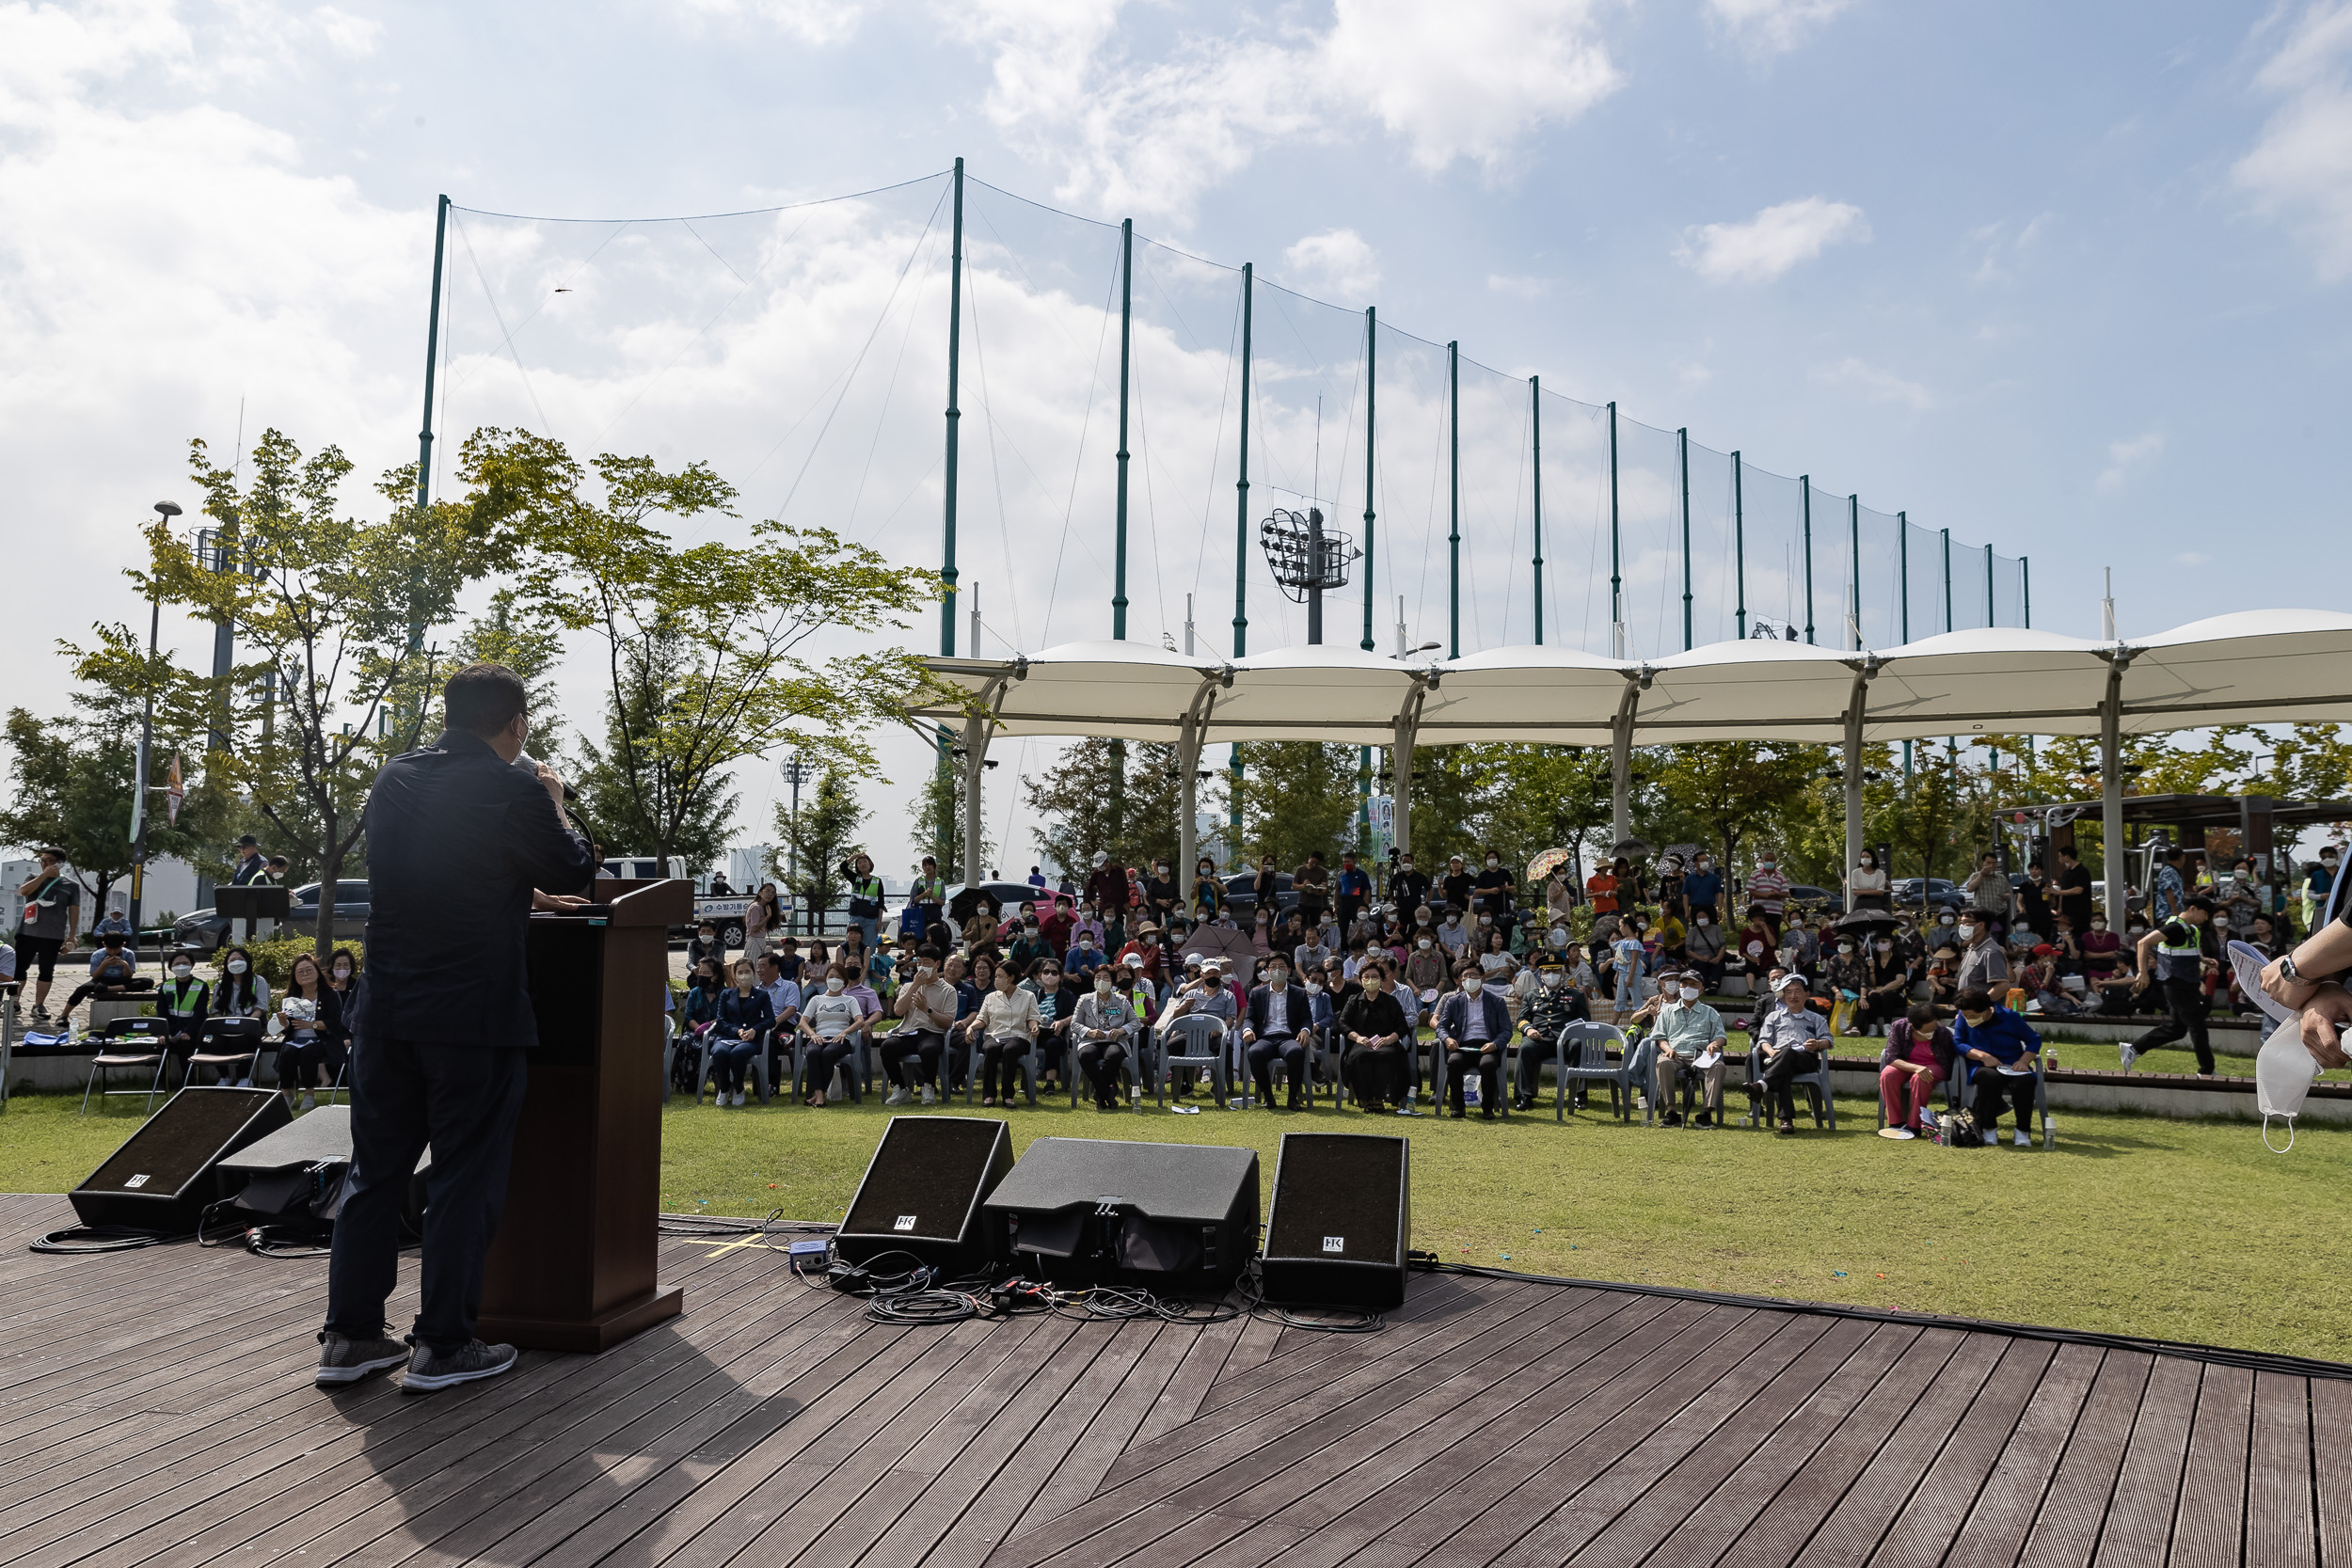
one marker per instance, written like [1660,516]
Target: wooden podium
[573,1265]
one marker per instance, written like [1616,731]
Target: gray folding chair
[1814,1084]
[957,1040]
[1583,1055]
[124,1030]
[1192,1042]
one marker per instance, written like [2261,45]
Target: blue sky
[2068,280]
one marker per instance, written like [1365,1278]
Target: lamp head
[170,509]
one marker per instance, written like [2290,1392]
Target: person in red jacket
[1106,885]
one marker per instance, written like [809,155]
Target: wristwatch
[2287,971]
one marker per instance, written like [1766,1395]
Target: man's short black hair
[928,951]
[483,698]
[2198,901]
[1975,999]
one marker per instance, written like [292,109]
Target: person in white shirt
[1454,934]
[1002,1031]
[829,1030]
[1281,1025]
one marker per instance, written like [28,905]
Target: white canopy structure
[2267,666]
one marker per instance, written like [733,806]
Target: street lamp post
[168,510]
[797,771]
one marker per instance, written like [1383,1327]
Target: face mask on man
[1968,933]
[1473,985]
[1554,978]
[182,971]
[1492,862]
[1405,865]
[1845,947]
[1690,993]
[1485,920]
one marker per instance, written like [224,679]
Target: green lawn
[2136,1225]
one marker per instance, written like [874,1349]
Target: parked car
[207,930]
[1241,892]
[1941,894]
[1804,897]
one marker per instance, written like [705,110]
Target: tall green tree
[1297,796]
[1088,801]
[527,639]
[711,651]
[1724,792]
[629,809]
[824,836]
[329,606]
[1546,798]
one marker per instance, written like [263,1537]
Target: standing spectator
[1982,964]
[1792,1038]
[1866,887]
[1354,889]
[1886,984]
[52,917]
[1106,890]
[2239,897]
[1703,887]
[865,896]
[250,862]
[1160,893]
[1208,893]
[2174,954]
[1917,1057]
[2319,882]
[1672,890]
[1409,889]
[1560,896]
[2005,1051]
[1601,889]
[2073,887]
[1454,887]
[1060,926]
[1768,890]
[757,915]
[2169,891]
[929,894]
[1313,884]
[1703,947]
[1990,894]
[1497,891]
[1037,878]
[2033,903]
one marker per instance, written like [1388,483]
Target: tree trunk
[330,883]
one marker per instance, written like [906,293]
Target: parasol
[1543,864]
[1867,920]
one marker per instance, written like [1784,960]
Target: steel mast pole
[1372,359]
[1535,416]
[1805,491]
[1453,499]
[1740,547]
[1854,554]
[1126,353]
[954,418]
[1682,444]
[1616,583]
[1241,554]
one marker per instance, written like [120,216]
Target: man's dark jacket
[457,839]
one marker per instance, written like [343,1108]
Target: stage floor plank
[156,1410]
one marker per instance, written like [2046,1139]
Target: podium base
[585,1336]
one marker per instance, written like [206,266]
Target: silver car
[207,930]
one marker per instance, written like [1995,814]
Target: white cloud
[2300,171]
[1519,288]
[1150,136]
[1771,243]
[1337,262]
[1772,27]
[812,22]
[2127,456]
[1878,385]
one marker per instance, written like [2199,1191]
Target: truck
[727,911]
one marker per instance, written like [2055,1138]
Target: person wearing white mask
[181,1003]
[1867,886]
[830,1024]
[1847,975]
[1982,964]
[1887,983]
[1408,888]
[1687,1035]
[1557,1003]
[1281,1027]
[1103,1030]
[1473,1027]
[1454,934]
[1703,947]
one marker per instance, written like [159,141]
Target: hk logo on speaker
[1335,1243]
[905,1222]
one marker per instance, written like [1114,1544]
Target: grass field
[2137,1225]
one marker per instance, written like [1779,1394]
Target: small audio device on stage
[1175,1219]
[162,1177]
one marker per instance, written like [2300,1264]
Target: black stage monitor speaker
[162,1179]
[1341,1221]
[923,1191]
[1177,1219]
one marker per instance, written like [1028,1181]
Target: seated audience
[1791,1039]
[1474,1028]
[310,1049]
[1103,1027]
[1688,1037]
[830,1022]
[1001,1031]
[114,973]
[926,1010]
[1281,1027]
[1917,1057]
[743,1018]
[1374,1026]
[1557,1004]
[2005,1053]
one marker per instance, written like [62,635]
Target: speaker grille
[179,1143]
[1337,1187]
[925,1177]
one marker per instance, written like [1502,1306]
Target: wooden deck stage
[155,1407]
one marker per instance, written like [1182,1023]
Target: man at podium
[459,841]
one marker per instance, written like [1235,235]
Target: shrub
[274,960]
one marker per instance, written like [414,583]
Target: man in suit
[1282,1023]
[1474,1029]
[460,844]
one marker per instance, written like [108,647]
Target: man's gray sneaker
[431,1369]
[342,1360]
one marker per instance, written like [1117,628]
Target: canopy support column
[1857,709]
[1190,735]
[979,722]
[1621,756]
[2113,857]
[1401,759]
